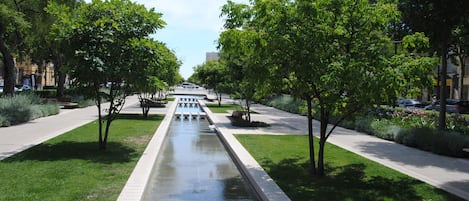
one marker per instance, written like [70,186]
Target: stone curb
[134,189]
[263,184]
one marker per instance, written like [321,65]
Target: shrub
[448,143]
[349,124]
[16,109]
[286,103]
[425,138]
[4,121]
[22,108]
[46,93]
[406,137]
[384,129]
[239,122]
[363,124]
[38,111]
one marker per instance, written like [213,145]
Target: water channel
[194,165]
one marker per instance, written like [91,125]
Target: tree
[240,51]
[45,47]
[461,48]
[159,66]
[333,54]
[214,75]
[12,26]
[103,36]
[437,19]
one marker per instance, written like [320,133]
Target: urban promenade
[450,174]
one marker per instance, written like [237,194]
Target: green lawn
[223,108]
[348,176]
[70,166]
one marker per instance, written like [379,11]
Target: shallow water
[194,165]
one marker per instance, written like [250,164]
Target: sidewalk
[450,174]
[17,138]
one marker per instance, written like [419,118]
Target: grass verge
[348,176]
[70,166]
[223,107]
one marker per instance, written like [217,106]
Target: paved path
[450,174]
[17,138]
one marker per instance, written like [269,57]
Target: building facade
[33,75]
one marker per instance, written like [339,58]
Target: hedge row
[23,108]
[411,128]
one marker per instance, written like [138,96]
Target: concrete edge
[263,184]
[134,188]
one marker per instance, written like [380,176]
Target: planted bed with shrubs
[24,107]
[414,128]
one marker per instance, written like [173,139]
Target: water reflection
[194,165]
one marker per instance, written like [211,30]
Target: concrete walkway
[450,174]
[17,138]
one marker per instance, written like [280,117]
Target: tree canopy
[13,24]
[437,19]
[102,37]
[213,75]
[333,54]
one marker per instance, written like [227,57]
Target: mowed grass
[223,108]
[348,176]
[70,166]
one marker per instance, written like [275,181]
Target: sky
[192,28]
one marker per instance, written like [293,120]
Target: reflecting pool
[194,165]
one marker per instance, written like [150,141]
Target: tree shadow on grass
[151,117]
[340,183]
[67,150]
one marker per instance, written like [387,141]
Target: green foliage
[385,129]
[108,42]
[16,109]
[23,108]
[286,103]
[240,122]
[46,93]
[363,124]
[448,143]
[416,42]
[4,122]
[223,108]
[213,75]
[44,110]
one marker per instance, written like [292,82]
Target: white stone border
[134,189]
[263,184]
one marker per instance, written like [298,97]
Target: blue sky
[193,26]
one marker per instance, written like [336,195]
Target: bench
[69,105]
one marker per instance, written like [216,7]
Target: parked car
[452,106]
[410,103]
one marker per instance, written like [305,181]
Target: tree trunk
[322,141]
[248,110]
[61,84]
[219,99]
[9,75]
[100,123]
[312,160]
[461,76]
[444,67]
